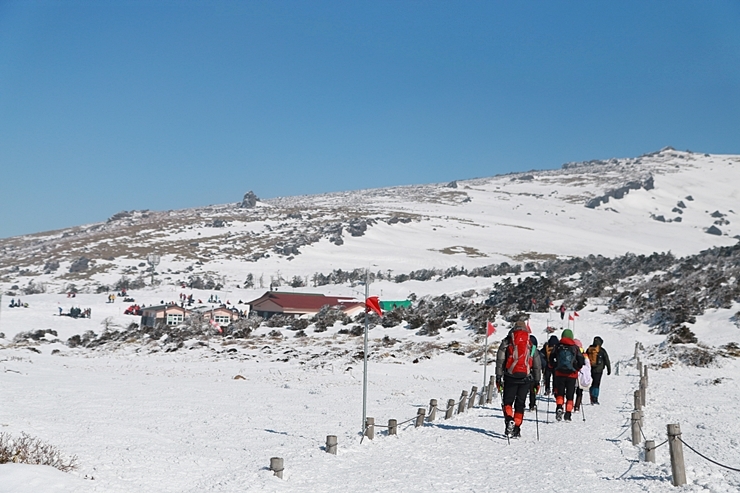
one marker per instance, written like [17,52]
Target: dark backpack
[519,354]
[566,359]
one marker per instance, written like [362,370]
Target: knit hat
[553,340]
[567,333]
[598,341]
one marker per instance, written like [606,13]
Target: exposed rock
[620,192]
[452,184]
[714,230]
[249,201]
[80,265]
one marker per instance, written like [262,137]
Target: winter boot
[509,427]
[559,413]
[567,416]
[516,432]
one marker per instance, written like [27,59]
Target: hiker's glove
[608,372]
[536,389]
[500,384]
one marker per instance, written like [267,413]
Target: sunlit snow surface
[146,421]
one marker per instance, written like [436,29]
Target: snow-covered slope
[669,201]
[141,418]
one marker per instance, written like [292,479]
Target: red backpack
[519,354]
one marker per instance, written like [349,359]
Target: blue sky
[109,106]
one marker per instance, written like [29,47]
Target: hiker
[584,379]
[535,388]
[599,360]
[562,311]
[515,367]
[546,351]
[566,360]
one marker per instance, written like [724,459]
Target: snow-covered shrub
[34,288]
[34,335]
[327,316]
[30,450]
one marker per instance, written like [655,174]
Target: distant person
[599,360]
[562,311]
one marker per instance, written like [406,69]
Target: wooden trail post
[483,393]
[638,400]
[450,408]
[432,410]
[643,391]
[473,395]
[463,401]
[420,413]
[639,369]
[636,427]
[331,444]
[393,427]
[491,386]
[678,470]
[276,466]
[370,427]
[637,348]
[645,375]
[650,451]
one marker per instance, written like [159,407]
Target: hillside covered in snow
[640,250]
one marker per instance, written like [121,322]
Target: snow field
[179,422]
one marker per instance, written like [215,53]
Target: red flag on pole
[575,314]
[570,317]
[372,303]
[491,329]
[529,329]
[216,326]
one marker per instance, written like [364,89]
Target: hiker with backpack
[584,379]
[599,360]
[518,369]
[565,360]
[546,351]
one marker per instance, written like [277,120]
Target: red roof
[303,301]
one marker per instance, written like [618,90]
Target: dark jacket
[536,371]
[602,360]
[569,345]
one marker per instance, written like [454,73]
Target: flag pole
[364,353]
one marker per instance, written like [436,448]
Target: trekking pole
[548,410]
[583,413]
[537,420]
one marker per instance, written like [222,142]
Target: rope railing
[707,458]
[650,449]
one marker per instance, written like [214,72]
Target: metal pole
[364,354]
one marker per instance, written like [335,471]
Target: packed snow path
[181,423]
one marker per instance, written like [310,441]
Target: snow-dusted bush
[30,450]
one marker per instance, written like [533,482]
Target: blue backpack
[566,359]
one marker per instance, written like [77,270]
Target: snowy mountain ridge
[657,198]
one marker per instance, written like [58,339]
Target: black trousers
[515,392]
[548,379]
[565,387]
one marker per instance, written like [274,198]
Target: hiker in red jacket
[517,369]
[566,359]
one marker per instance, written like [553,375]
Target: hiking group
[568,370]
